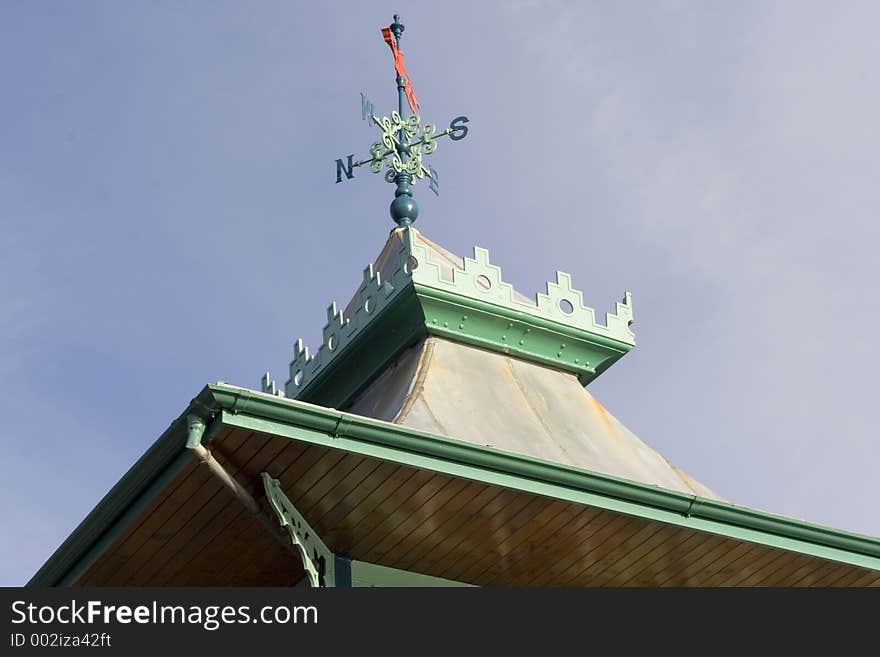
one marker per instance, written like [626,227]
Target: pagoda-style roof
[441,435]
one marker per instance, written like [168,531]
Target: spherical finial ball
[404,210]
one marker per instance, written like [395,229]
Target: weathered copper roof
[472,394]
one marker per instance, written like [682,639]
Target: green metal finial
[404,141]
[397,27]
[404,209]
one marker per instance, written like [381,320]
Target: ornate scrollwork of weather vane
[404,141]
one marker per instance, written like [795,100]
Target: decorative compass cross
[404,141]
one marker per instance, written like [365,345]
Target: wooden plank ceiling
[195,533]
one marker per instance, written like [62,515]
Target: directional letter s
[459,131]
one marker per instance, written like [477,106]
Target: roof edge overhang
[144,480]
[223,404]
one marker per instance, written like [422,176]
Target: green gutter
[336,425]
[319,425]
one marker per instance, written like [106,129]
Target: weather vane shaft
[392,36]
[404,141]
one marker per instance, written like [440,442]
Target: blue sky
[170,219]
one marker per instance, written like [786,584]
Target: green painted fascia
[507,331]
[369,437]
[145,479]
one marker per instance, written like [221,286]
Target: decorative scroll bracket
[318,560]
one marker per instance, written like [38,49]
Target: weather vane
[404,141]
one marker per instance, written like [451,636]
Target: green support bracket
[325,568]
[318,560]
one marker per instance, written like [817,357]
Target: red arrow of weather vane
[401,69]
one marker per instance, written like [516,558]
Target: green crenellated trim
[481,281]
[342,335]
[399,327]
[475,306]
[530,338]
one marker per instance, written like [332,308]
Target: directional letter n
[345,168]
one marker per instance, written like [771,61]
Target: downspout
[195,431]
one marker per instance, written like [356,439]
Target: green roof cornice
[474,305]
[481,281]
[222,404]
